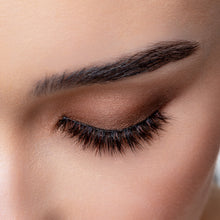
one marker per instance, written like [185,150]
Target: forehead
[49,35]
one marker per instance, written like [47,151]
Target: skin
[46,175]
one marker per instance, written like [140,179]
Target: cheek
[187,152]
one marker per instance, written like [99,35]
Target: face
[45,172]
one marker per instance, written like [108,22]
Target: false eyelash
[114,141]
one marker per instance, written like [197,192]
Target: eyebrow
[144,61]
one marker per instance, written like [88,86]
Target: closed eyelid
[113,140]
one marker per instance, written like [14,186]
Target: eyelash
[114,141]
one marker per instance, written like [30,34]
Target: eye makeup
[111,118]
[113,141]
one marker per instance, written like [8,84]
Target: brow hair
[147,60]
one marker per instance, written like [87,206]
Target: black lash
[114,141]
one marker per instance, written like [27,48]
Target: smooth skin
[46,175]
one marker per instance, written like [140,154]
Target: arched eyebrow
[144,61]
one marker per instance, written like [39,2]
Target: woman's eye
[113,141]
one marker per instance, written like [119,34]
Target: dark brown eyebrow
[146,61]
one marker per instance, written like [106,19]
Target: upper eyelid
[64,117]
[100,129]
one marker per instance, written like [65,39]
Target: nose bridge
[10,172]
